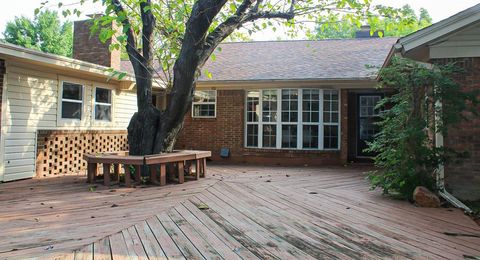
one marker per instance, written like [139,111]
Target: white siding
[465,43]
[32,103]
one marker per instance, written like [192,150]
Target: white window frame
[95,103]
[299,122]
[255,123]
[205,103]
[337,124]
[61,100]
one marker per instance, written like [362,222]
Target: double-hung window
[253,116]
[330,119]
[72,101]
[103,104]
[292,119]
[269,118]
[289,118]
[204,104]
[310,118]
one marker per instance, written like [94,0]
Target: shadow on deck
[237,212]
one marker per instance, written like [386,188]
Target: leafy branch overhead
[181,35]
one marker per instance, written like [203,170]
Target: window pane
[103,95]
[269,136]
[71,110]
[204,110]
[204,96]
[252,135]
[310,136]
[269,101]
[311,105]
[330,137]
[289,105]
[289,136]
[330,106]
[103,112]
[72,91]
[253,108]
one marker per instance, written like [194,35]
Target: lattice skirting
[61,152]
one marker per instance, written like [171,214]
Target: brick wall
[61,152]
[227,130]
[89,48]
[462,179]
[2,74]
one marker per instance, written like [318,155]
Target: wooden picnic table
[156,162]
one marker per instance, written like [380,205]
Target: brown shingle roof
[296,60]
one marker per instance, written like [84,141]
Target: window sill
[291,151]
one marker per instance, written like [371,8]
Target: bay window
[292,119]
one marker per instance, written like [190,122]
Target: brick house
[288,102]
[274,102]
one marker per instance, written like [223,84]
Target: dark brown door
[367,117]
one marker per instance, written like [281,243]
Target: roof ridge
[321,40]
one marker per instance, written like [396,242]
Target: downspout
[440,172]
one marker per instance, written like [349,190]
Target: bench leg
[153,174]
[163,174]
[128,179]
[116,172]
[181,173]
[197,169]
[91,172]
[137,173]
[106,174]
[204,168]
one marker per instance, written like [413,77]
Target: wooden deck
[237,212]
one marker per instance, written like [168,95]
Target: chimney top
[364,32]
[89,48]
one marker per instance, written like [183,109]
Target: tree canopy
[45,32]
[344,27]
[182,35]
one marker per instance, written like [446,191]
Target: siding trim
[3,128]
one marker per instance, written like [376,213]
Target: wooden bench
[154,162]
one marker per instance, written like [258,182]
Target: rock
[425,198]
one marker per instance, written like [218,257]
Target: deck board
[252,212]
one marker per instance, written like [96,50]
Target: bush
[405,147]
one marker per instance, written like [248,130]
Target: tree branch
[148,22]
[131,43]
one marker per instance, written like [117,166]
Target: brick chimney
[88,47]
[364,32]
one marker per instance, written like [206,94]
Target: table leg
[163,174]
[181,174]
[106,174]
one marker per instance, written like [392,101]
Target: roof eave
[439,29]
[60,61]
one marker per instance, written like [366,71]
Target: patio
[236,212]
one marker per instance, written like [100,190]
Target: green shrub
[406,153]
